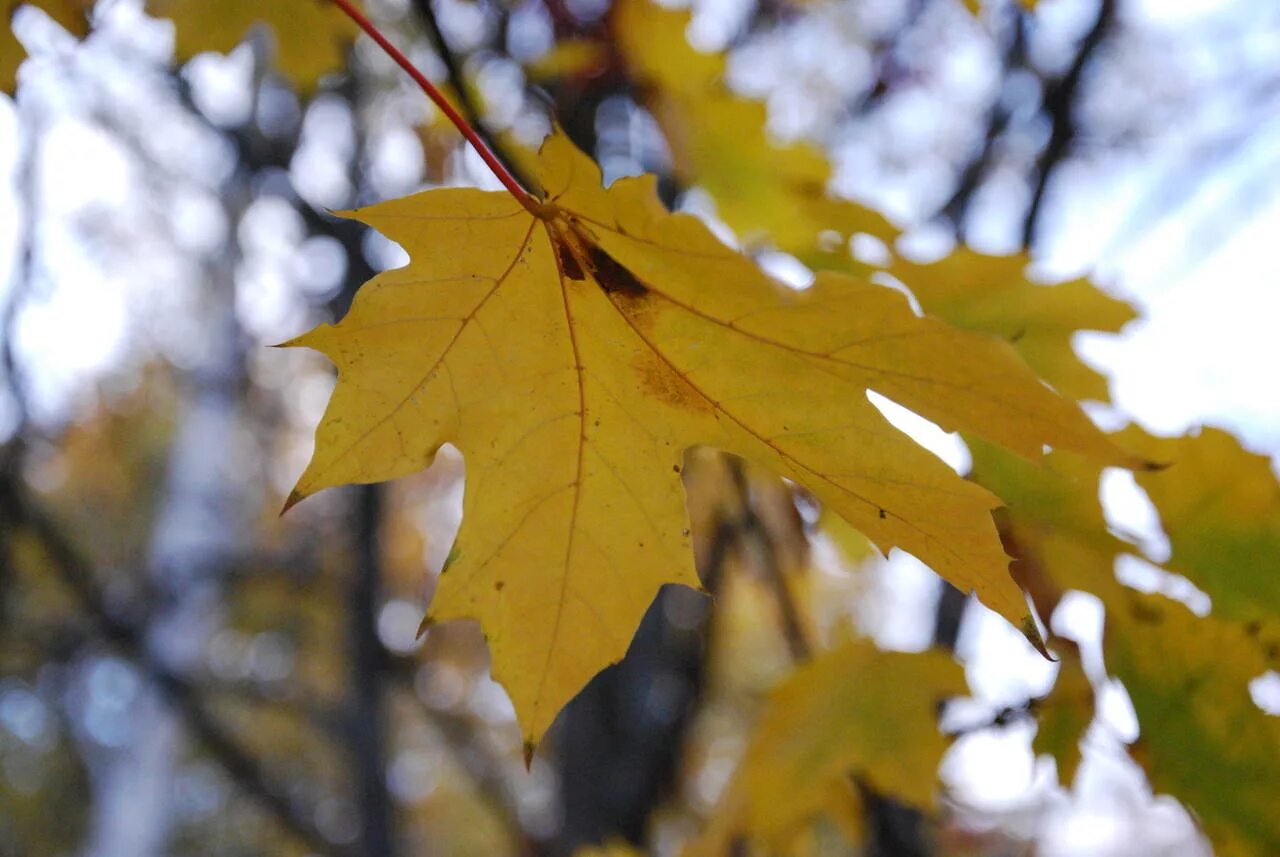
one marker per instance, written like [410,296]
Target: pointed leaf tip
[529,748]
[1031,630]
[295,497]
[424,626]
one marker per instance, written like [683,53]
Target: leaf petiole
[533,205]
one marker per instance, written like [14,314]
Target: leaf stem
[466,104]
[437,97]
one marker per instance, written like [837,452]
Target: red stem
[464,127]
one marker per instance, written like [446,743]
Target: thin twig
[1060,103]
[23,273]
[524,197]
[458,81]
[1004,717]
[367,719]
[239,763]
[948,616]
[318,714]
[458,736]
[956,208]
[751,526]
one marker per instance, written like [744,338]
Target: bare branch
[462,91]
[1060,100]
[78,575]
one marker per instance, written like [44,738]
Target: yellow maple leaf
[1220,506]
[853,711]
[719,141]
[310,37]
[574,353]
[1053,523]
[1202,737]
[992,294]
[72,15]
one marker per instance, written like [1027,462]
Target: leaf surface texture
[575,355]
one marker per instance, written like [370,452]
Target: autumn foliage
[616,377]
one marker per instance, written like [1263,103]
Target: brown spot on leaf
[612,275]
[568,262]
[659,381]
[809,188]
[497,586]
[1145,613]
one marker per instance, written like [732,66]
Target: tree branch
[1060,101]
[78,575]
[458,83]
[504,175]
[750,526]
[956,208]
[367,714]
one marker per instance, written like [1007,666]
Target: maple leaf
[1220,506]
[1188,676]
[992,294]
[574,353]
[310,37]
[720,142]
[70,14]
[853,710]
[1203,739]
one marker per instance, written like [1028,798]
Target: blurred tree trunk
[369,667]
[368,678]
[195,539]
[621,740]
